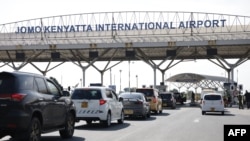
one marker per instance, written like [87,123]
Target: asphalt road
[185,123]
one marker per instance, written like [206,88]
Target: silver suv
[97,104]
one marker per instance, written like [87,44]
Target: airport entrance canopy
[167,36]
[193,80]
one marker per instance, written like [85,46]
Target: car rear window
[131,96]
[146,92]
[166,96]
[7,83]
[212,97]
[10,83]
[86,94]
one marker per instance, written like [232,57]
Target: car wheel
[148,114]
[144,116]
[33,133]
[160,111]
[222,112]
[156,111]
[203,112]
[89,121]
[107,122]
[2,135]
[69,127]
[121,120]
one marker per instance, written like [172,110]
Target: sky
[69,74]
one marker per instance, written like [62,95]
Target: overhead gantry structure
[192,80]
[170,37]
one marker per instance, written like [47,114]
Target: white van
[212,102]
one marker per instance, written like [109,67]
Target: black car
[179,98]
[168,99]
[31,104]
[135,104]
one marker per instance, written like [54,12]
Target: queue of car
[33,99]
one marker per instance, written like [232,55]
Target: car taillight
[14,97]
[102,101]
[17,97]
[138,102]
[11,125]
[154,100]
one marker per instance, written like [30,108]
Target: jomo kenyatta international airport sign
[122,26]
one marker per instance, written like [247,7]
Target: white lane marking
[197,120]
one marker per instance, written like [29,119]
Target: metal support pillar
[154,68]
[83,76]
[102,73]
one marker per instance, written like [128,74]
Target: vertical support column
[154,68]
[129,75]
[228,75]
[102,73]
[83,76]
[232,75]
[163,76]
[231,80]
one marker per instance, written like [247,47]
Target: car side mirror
[66,93]
[120,99]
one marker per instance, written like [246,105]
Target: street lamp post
[81,81]
[136,81]
[129,75]
[120,80]
[110,76]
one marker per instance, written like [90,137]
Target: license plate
[84,104]
[128,112]
[212,109]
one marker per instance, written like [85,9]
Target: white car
[97,104]
[212,102]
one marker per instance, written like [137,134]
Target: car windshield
[86,94]
[212,97]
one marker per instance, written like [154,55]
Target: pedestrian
[240,99]
[247,97]
[192,97]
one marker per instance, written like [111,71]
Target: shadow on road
[55,138]
[99,127]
